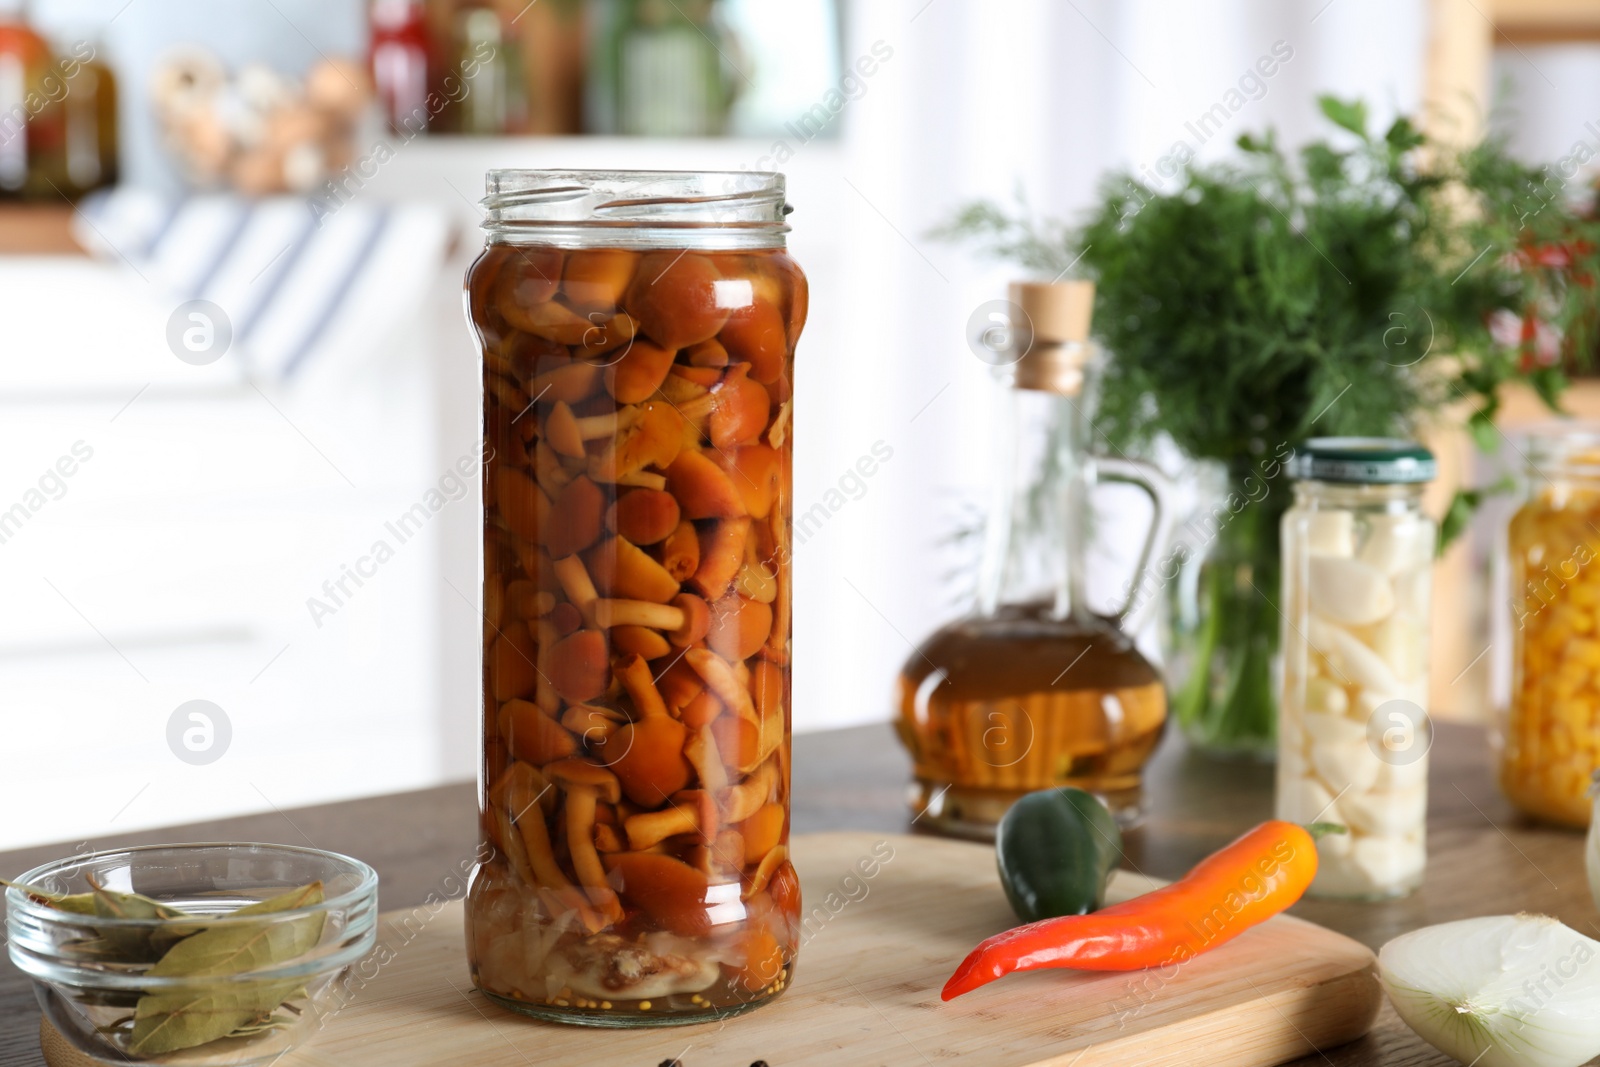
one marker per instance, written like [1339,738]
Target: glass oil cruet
[1033,689]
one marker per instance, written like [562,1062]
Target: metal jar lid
[1363,461]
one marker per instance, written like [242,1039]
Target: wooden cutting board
[866,990]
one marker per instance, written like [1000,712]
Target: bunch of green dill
[1349,289]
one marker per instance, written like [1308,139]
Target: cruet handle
[1159,488]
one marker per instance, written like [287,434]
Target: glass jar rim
[366,882]
[1570,446]
[727,209]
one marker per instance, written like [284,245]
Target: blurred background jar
[663,69]
[1548,738]
[1353,730]
[30,127]
[88,116]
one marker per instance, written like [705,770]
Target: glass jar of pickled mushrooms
[637,333]
[1549,736]
[1353,729]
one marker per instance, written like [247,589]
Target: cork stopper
[1052,334]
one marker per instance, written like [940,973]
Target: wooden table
[1483,859]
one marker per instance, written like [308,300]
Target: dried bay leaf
[167,1022]
[234,948]
[110,904]
[77,903]
[139,944]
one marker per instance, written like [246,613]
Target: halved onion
[1502,991]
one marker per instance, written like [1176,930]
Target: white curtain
[977,99]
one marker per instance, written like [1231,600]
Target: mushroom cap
[574,775]
[649,759]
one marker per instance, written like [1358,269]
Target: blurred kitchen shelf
[1546,21]
[37,230]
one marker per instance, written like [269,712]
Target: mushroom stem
[584,785]
[609,613]
[745,799]
[652,827]
[511,844]
[765,870]
[723,683]
[701,750]
[592,427]
[592,724]
[580,838]
[544,693]
[575,582]
[643,479]
[524,788]
[634,674]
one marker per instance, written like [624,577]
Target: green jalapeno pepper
[1056,849]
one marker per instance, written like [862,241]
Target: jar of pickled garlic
[637,333]
[1549,736]
[1353,727]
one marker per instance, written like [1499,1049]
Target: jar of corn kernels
[1549,735]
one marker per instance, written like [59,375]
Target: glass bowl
[127,978]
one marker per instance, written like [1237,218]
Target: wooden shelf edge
[37,230]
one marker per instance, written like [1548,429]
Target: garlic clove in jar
[1390,813]
[1306,800]
[1388,861]
[1339,878]
[1396,543]
[1350,660]
[1347,769]
[1403,644]
[1401,776]
[1331,533]
[1411,588]
[1348,591]
[1334,847]
[1335,731]
[1325,696]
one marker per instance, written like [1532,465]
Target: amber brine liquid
[997,706]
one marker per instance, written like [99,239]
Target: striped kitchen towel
[295,286]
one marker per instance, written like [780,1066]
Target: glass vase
[1223,622]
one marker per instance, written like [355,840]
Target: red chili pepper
[1244,884]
